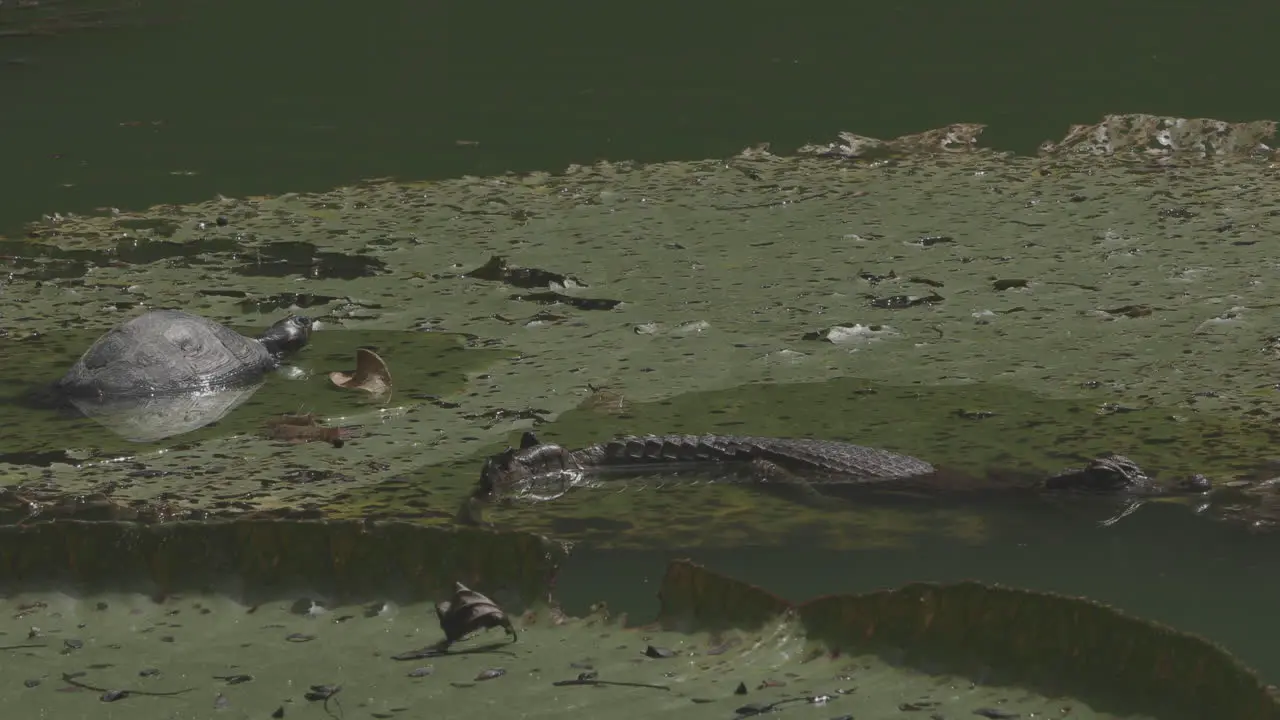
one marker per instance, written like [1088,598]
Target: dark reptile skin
[546,466]
[798,455]
[538,467]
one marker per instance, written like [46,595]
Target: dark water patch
[282,259]
[39,261]
[558,298]
[37,459]
[496,269]
[1161,563]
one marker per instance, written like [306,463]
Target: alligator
[543,471]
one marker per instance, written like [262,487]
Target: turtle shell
[167,352]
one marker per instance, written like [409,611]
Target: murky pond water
[1162,563]
[994,314]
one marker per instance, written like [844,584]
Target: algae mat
[1128,263]
[221,662]
[320,638]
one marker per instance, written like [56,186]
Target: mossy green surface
[244,618]
[1118,281]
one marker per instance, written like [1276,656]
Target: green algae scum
[986,312]
[254,618]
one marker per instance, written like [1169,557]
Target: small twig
[592,681]
[763,709]
[120,694]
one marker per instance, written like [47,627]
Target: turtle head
[288,335]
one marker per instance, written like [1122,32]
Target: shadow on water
[31,261]
[423,363]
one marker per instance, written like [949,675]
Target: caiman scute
[539,470]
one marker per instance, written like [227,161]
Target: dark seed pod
[468,612]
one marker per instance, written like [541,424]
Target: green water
[193,98]
[263,97]
[1161,563]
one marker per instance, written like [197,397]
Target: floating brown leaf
[468,612]
[305,428]
[371,375]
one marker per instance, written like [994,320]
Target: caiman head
[1117,473]
[532,467]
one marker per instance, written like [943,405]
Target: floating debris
[958,137]
[899,302]
[593,679]
[305,428]
[114,695]
[554,298]
[1010,284]
[1130,311]
[371,375]
[996,714]
[324,693]
[850,333]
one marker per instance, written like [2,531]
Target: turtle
[171,352]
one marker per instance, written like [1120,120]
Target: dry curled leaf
[371,375]
[468,612]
